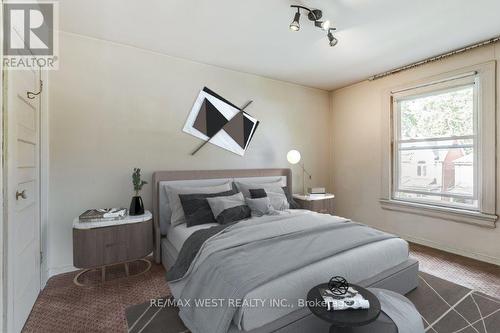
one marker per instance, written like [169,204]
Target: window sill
[451,214]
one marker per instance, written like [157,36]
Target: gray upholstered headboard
[160,176]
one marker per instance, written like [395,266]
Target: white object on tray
[351,300]
[113,212]
[127,219]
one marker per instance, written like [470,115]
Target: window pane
[443,114]
[444,172]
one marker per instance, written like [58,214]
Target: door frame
[3,286]
[43,143]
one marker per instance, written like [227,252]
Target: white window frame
[483,77]
[469,79]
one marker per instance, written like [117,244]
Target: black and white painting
[220,121]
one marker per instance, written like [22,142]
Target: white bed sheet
[177,235]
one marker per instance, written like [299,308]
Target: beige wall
[120,107]
[114,107]
[356,128]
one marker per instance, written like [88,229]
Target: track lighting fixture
[331,38]
[313,15]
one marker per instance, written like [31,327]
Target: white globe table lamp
[293,157]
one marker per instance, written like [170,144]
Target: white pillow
[174,202]
[275,187]
[278,200]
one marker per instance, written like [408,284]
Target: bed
[383,263]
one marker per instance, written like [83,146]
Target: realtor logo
[29,38]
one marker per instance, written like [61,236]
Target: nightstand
[316,203]
[100,244]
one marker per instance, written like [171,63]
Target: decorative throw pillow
[256,193]
[174,202]
[196,208]
[229,208]
[260,206]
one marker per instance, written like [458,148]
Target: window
[421,169]
[438,147]
[435,146]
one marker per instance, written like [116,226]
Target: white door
[23,219]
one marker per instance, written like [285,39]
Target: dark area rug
[145,318]
[445,307]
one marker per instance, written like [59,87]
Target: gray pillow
[196,208]
[260,206]
[289,197]
[273,190]
[278,200]
[230,208]
[174,201]
[261,193]
[246,187]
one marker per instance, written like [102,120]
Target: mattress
[355,265]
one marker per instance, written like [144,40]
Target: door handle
[21,194]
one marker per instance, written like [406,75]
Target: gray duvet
[235,260]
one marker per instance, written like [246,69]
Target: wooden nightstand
[100,244]
[320,204]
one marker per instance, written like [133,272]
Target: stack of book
[316,192]
[103,214]
[352,300]
[316,195]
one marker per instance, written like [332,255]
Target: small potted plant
[136,205]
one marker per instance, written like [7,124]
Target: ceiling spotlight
[313,15]
[331,38]
[325,25]
[295,25]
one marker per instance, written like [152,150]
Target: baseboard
[429,243]
[61,270]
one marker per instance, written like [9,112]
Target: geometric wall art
[218,121]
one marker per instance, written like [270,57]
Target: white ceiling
[252,36]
